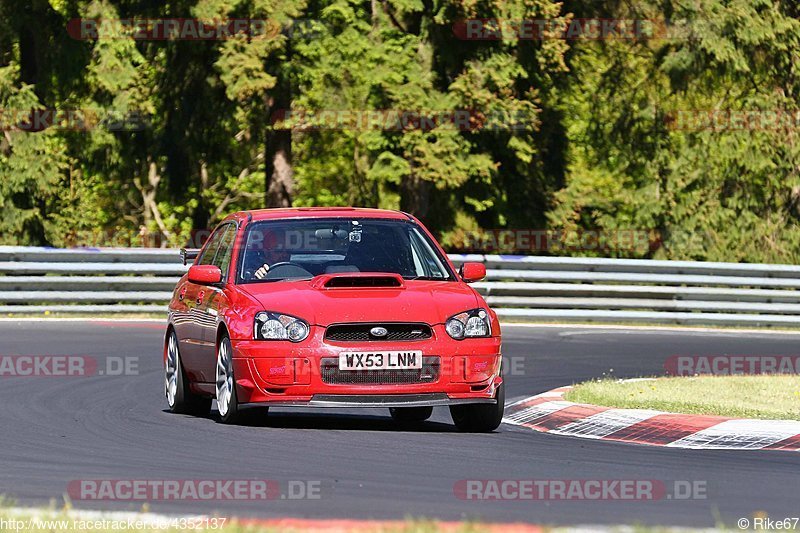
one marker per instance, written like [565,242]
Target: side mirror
[205,274]
[472,272]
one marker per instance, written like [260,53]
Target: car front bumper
[282,373]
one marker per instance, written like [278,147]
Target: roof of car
[321,212]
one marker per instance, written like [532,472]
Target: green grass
[765,397]
[68,520]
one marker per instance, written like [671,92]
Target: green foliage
[31,165]
[535,134]
[714,192]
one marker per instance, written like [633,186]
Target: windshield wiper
[272,280]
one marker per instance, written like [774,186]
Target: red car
[332,307]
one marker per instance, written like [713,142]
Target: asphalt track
[58,429]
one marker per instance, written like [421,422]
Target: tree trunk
[415,195]
[279,172]
[150,211]
[279,186]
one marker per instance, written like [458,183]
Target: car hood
[432,302]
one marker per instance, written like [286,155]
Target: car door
[192,322]
[210,300]
[179,310]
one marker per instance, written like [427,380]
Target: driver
[270,252]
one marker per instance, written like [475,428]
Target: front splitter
[374,400]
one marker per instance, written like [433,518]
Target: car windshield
[302,249]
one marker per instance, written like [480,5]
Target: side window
[222,259]
[422,250]
[207,257]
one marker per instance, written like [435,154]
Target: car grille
[429,373]
[394,332]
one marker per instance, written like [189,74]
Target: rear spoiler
[189,254]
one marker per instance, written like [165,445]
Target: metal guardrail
[548,289]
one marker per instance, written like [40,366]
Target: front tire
[227,401]
[180,398]
[480,417]
[410,414]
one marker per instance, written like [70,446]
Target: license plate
[407,360]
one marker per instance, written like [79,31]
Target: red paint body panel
[284,371]
[431,302]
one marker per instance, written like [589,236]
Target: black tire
[410,414]
[480,417]
[232,415]
[186,401]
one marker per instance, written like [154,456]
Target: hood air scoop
[361,280]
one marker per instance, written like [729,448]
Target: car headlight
[271,326]
[473,323]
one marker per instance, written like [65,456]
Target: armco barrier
[549,289]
